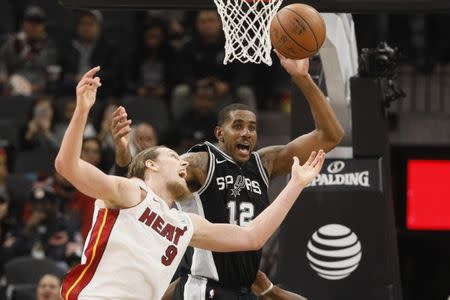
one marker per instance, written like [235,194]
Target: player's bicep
[221,237]
[197,169]
[278,159]
[98,185]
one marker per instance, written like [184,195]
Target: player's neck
[159,187]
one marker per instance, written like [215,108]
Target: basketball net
[246,27]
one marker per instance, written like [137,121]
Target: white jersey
[130,253]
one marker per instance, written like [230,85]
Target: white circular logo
[336,166]
[334,252]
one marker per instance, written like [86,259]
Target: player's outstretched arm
[327,135]
[228,238]
[85,177]
[265,289]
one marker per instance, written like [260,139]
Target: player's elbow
[254,242]
[329,140]
[339,135]
[334,137]
[64,168]
[59,165]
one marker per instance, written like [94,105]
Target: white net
[246,27]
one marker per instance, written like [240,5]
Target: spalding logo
[336,166]
[334,252]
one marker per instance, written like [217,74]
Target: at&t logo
[334,252]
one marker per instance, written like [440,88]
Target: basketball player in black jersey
[229,182]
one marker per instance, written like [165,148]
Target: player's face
[173,168]
[237,136]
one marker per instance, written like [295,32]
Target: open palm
[87,89]
[299,67]
[305,174]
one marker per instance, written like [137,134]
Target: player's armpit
[268,156]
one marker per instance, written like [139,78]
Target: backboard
[351,6]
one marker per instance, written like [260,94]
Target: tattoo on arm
[268,156]
[197,170]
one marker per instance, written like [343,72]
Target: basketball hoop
[246,27]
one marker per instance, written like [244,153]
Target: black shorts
[199,288]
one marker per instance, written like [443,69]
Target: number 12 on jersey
[241,215]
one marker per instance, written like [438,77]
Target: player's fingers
[92,81]
[280,56]
[318,162]
[311,158]
[97,81]
[296,161]
[91,72]
[120,126]
[86,82]
[124,132]
[118,111]
[316,158]
[120,117]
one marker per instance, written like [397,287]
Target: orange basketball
[297,31]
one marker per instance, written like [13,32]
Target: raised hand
[120,127]
[294,67]
[305,174]
[87,89]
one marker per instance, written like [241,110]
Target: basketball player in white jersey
[136,240]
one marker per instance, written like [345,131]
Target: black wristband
[120,171]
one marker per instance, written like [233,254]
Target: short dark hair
[224,113]
[137,166]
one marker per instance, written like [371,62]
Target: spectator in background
[61,126]
[197,123]
[12,243]
[48,287]
[175,20]
[3,174]
[38,132]
[151,71]
[29,57]
[90,49]
[201,60]
[142,136]
[48,230]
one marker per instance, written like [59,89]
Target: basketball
[297,31]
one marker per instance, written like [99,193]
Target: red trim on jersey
[80,276]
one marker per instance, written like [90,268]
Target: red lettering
[168,232]
[157,225]
[171,253]
[147,217]
[178,233]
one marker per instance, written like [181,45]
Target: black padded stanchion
[338,242]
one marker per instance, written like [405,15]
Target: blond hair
[137,166]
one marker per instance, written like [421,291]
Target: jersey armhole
[261,169]
[210,174]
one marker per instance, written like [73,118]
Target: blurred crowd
[169,64]
[164,64]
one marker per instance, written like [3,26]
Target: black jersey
[232,193]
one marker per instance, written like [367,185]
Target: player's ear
[150,164]
[219,134]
